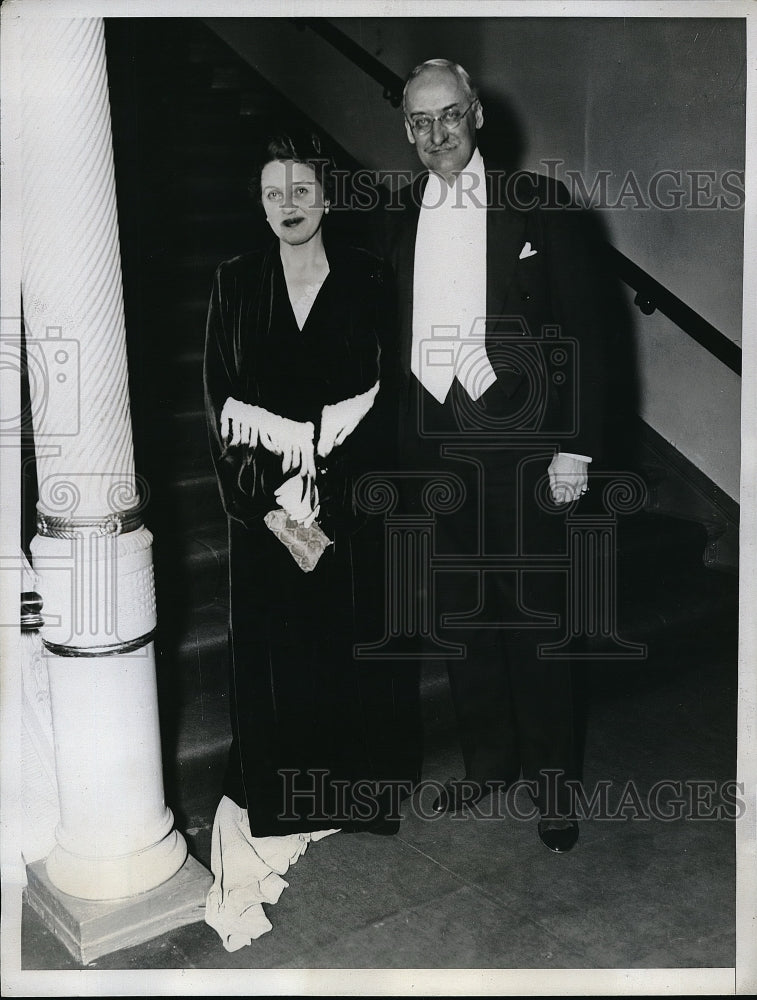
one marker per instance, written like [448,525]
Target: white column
[92,552]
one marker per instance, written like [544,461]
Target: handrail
[650,293]
[393,85]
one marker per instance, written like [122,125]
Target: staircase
[185,109]
[180,125]
[186,112]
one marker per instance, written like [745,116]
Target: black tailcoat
[545,338]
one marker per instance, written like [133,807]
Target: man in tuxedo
[502,359]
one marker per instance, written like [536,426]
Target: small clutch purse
[306,545]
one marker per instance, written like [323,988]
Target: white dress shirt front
[449,285]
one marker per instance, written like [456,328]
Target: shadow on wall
[503,142]
[502,138]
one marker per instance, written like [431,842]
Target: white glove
[568,478]
[239,423]
[243,423]
[291,439]
[339,420]
[298,496]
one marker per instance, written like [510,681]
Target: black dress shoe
[457,794]
[558,838]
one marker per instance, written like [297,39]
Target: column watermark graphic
[515,424]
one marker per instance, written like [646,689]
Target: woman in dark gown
[298,399]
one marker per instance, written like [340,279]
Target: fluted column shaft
[92,553]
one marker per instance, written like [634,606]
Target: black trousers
[513,705]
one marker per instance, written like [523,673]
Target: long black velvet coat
[313,728]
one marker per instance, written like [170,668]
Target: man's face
[444,150]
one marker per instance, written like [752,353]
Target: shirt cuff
[570,454]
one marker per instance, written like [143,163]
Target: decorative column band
[72,527]
[99,589]
[31,611]
[115,649]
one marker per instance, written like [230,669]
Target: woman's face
[292,199]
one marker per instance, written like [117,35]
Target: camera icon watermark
[520,387]
[51,363]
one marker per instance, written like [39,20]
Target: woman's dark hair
[301,147]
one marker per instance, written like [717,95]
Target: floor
[638,891]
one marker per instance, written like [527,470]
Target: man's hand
[242,423]
[568,478]
[298,496]
[339,420]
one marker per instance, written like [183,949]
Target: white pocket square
[527,251]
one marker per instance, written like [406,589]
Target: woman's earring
[326,208]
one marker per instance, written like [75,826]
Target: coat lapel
[404,265]
[505,231]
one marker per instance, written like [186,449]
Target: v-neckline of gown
[314,301]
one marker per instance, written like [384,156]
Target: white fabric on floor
[247,872]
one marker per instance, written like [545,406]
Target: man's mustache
[434,148]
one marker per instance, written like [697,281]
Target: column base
[90,929]
[120,877]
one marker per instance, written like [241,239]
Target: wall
[617,95]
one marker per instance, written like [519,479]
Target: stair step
[201,641]
[190,276]
[184,391]
[191,585]
[179,505]
[204,46]
[199,155]
[266,108]
[203,187]
[187,287]
[226,77]
[650,608]
[653,535]
[206,563]
[222,235]
[202,100]
[193,649]
[194,780]
[186,444]
[212,122]
[184,322]
[208,221]
[190,359]
[228,208]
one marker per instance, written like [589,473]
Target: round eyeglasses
[421,124]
